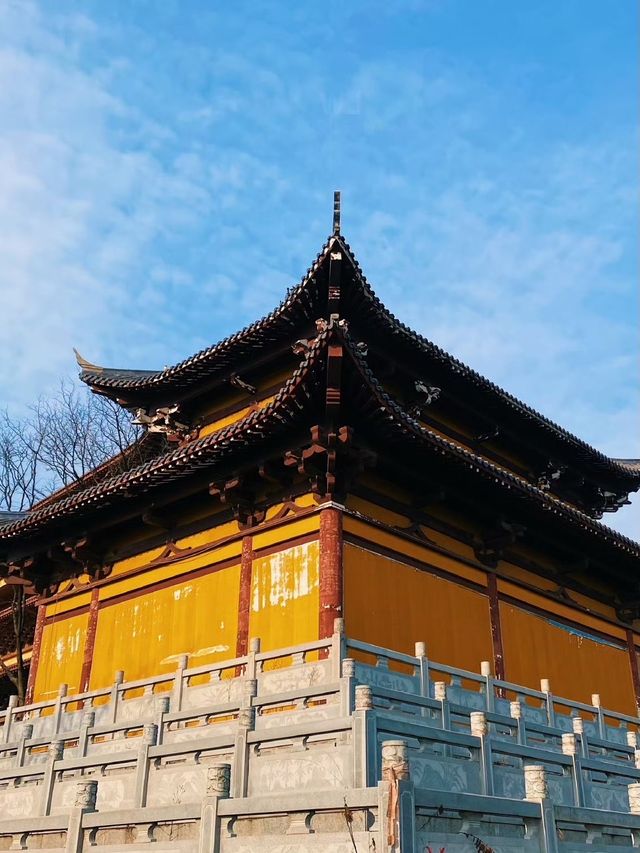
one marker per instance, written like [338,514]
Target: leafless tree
[63,440]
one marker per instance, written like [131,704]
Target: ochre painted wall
[61,655]
[538,647]
[145,634]
[392,604]
[285,596]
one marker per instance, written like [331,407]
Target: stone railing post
[56,751]
[115,694]
[161,705]
[218,788]
[149,739]
[516,711]
[178,683]
[545,688]
[634,797]
[88,721]
[347,686]
[578,730]
[537,790]
[422,668]
[25,735]
[251,670]
[246,724]
[8,718]
[365,771]
[570,747]
[480,729]
[338,647]
[440,695]
[597,704]
[57,711]
[396,797]
[85,803]
[490,693]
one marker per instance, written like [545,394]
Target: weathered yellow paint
[136,562]
[391,604]
[61,656]
[561,610]
[286,531]
[207,537]
[174,569]
[145,634]
[576,666]
[80,599]
[413,550]
[285,596]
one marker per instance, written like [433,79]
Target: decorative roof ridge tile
[180,457]
[480,463]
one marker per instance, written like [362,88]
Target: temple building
[327,461]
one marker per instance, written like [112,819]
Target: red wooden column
[35,653]
[330,569]
[496,628]
[633,662]
[244,597]
[90,642]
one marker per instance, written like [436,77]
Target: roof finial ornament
[336,212]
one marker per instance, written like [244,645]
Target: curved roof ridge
[624,466]
[94,374]
[480,462]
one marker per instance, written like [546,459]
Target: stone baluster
[85,803]
[246,724]
[161,704]
[602,729]
[480,729]
[56,752]
[634,797]
[397,802]
[489,689]
[517,712]
[347,686]
[537,790]
[58,707]
[578,730]
[116,691]
[8,718]
[218,788]
[179,683]
[570,747]
[365,771]
[545,688]
[88,721]
[338,647]
[149,740]
[440,695]
[422,668]
[251,670]
[25,735]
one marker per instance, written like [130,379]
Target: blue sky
[167,169]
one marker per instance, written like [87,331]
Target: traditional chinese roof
[366,406]
[376,324]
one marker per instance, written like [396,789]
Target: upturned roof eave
[131,386]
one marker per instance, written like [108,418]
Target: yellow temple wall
[166,602]
[398,591]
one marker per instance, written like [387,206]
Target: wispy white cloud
[162,186]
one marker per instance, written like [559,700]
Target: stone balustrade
[334,746]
